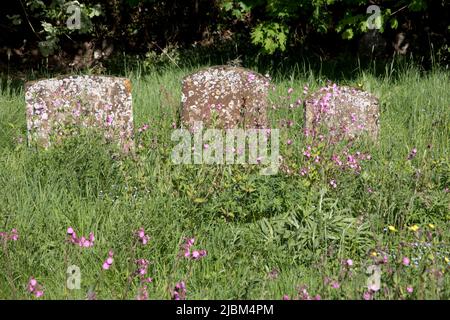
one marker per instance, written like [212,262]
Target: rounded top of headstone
[343,109]
[79,79]
[217,70]
[342,93]
[227,96]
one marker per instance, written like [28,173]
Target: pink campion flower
[109,120]
[286,297]
[409,289]
[351,159]
[349,262]
[336,160]
[179,292]
[406,261]
[143,128]
[307,152]
[143,238]
[14,236]
[198,254]
[289,142]
[142,267]
[76,113]
[290,90]
[303,171]
[39,293]
[367,295]
[318,297]
[412,154]
[305,90]
[35,288]
[81,242]
[303,293]
[335,285]
[185,248]
[333,183]
[109,261]
[32,283]
[195,254]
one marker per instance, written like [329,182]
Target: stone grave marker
[225,97]
[345,111]
[59,107]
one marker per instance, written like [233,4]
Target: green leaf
[199,200]
[348,34]
[394,23]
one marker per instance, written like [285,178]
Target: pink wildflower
[412,154]
[143,238]
[109,261]
[81,242]
[179,292]
[304,171]
[335,285]
[35,288]
[367,295]
[333,183]
[405,261]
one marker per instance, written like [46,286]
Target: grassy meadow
[313,232]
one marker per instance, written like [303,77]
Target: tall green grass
[250,224]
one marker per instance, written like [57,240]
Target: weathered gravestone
[344,111]
[61,106]
[225,97]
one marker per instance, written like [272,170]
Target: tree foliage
[40,28]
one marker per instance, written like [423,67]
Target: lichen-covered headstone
[59,107]
[344,111]
[225,97]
